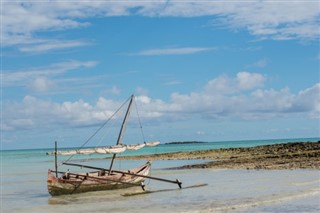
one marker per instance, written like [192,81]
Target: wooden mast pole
[55,157]
[121,131]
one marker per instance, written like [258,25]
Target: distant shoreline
[298,155]
[65,146]
[184,142]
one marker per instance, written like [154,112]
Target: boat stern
[51,182]
[51,177]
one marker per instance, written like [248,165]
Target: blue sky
[200,70]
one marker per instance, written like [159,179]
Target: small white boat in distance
[152,143]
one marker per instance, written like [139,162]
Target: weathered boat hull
[71,183]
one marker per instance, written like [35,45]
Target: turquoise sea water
[24,189]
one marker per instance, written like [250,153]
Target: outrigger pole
[128,173]
[121,131]
[56,157]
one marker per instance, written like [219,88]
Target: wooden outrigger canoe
[70,183]
[60,183]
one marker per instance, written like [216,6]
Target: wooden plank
[97,178]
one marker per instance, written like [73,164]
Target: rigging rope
[144,140]
[96,132]
[105,134]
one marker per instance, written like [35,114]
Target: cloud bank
[41,78]
[240,97]
[278,20]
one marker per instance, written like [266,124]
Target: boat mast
[56,157]
[123,127]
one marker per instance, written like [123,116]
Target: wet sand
[300,155]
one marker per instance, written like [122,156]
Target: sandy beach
[300,155]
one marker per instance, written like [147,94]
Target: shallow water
[24,189]
[227,191]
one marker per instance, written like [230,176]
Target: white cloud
[308,100]
[274,20]
[173,51]
[113,91]
[271,100]
[26,123]
[41,84]
[28,17]
[141,91]
[248,80]
[51,45]
[264,19]
[242,100]
[283,101]
[21,20]
[30,76]
[144,99]
[260,63]
[243,81]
